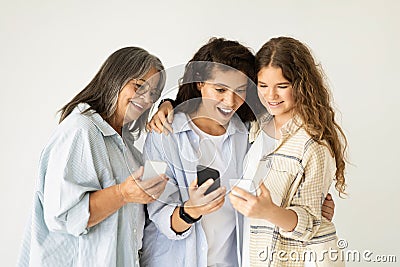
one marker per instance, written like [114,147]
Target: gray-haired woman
[88,204]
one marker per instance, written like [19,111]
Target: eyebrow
[282,83]
[224,85]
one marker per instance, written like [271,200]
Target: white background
[50,50]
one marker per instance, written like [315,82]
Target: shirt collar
[235,125]
[95,117]
[291,126]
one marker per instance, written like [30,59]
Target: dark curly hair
[229,55]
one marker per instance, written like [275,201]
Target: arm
[262,207]
[105,202]
[162,119]
[302,219]
[319,171]
[165,213]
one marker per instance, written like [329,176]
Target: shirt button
[134,230]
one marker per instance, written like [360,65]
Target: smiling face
[222,95]
[276,93]
[133,99]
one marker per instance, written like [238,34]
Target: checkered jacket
[297,156]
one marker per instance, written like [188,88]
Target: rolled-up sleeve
[160,211]
[71,173]
[307,202]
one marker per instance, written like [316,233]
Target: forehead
[152,77]
[230,78]
[271,74]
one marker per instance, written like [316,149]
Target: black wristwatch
[169,100]
[186,217]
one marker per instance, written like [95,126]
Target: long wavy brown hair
[311,93]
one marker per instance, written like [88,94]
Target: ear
[199,85]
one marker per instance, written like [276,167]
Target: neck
[209,126]
[273,127]
[115,125]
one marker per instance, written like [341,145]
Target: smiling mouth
[274,104]
[225,111]
[136,105]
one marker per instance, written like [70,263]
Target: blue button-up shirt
[83,155]
[161,245]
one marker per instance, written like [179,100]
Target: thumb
[136,175]
[262,190]
[170,116]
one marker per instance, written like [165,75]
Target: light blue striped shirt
[83,155]
[161,245]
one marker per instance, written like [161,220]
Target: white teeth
[136,104]
[226,110]
[274,103]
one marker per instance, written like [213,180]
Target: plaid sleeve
[308,199]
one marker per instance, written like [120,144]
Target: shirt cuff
[78,217]
[165,227]
[301,228]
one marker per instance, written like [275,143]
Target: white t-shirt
[263,145]
[218,226]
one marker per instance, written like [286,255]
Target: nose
[146,97]
[271,93]
[230,98]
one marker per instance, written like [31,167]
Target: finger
[215,194]
[163,120]
[215,206]
[327,215]
[155,192]
[167,127]
[148,127]
[137,175]
[239,192]
[262,190]
[328,197]
[236,201]
[153,181]
[170,116]
[193,186]
[203,188]
[326,207]
[158,124]
[154,127]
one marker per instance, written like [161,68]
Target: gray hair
[119,68]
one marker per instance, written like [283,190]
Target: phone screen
[204,173]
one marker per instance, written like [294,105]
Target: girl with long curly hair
[284,219]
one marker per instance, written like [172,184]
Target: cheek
[240,98]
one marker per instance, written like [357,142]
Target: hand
[328,207]
[200,204]
[252,206]
[162,119]
[136,191]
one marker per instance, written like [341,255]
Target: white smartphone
[153,169]
[245,184]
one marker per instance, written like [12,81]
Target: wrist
[187,214]
[171,101]
[190,209]
[121,194]
[271,212]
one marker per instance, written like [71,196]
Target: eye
[261,85]
[220,90]
[283,86]
[241,91]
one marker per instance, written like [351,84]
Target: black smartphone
[204,173]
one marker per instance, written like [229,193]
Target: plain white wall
[50,50]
